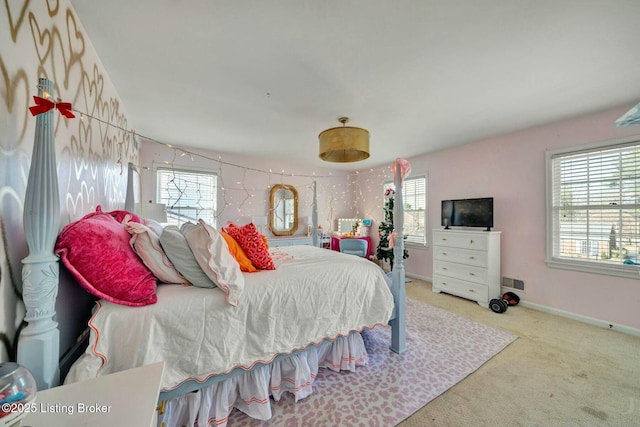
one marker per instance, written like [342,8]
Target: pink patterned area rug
[443,348]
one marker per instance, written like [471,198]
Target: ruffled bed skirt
[250,391]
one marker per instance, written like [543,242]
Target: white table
[128,398]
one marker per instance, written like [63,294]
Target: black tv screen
[468,213]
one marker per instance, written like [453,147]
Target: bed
[223,348]
[303,306]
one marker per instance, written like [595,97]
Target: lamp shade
[344,144]
[154,211]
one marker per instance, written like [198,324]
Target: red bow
[43,105]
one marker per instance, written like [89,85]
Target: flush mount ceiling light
[344,144]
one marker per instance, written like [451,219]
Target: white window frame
[554,260]
[211,219]
[413,240]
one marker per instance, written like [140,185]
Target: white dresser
[276,242]
[467,264]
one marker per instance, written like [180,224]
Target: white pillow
[213,256]
[153,225]
[146,243]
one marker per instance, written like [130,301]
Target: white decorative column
[399,324]
[39,341]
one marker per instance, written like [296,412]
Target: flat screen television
[468,213]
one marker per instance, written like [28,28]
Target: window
[414,196]
[588,247]
[189,195]
[594,209]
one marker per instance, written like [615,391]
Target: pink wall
[511,168]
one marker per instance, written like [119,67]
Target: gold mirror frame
[274,206]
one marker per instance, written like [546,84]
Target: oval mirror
[283,210]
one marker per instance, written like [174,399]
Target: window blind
[189,195]
[414,196]
[595,204]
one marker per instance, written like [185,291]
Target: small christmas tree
[384,252]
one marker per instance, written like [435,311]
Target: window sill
[415,245]
[628,271]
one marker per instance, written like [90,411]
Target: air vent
[518,284]
[508,282]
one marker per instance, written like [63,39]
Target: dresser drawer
[462,256]
[464,241]
[451,285]
[461,271]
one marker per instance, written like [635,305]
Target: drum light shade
[344,144]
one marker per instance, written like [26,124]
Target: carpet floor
[443,348]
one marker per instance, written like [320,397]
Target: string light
[191,154]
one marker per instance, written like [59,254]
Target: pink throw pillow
[123,216]
[252,244]
[96,251]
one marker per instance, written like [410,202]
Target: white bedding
[313,294]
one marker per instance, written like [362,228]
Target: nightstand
[127,398]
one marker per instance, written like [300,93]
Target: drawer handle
[472,257]
[472,274]
[444,268]
[471,290]
[444,253]
[444,283]
[444,238]
[471,241]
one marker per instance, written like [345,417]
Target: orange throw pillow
[238,254]
[252,244]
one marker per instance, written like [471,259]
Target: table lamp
[154,211]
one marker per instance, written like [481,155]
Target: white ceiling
[265,77]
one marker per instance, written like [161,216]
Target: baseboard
[417,276]
[580,318]
[562,313]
